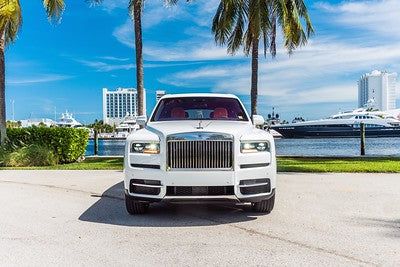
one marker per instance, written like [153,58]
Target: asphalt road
[74,218]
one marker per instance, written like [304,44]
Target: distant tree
[10,23]
[101,127]
[42,124]
[13,124]
[108,128]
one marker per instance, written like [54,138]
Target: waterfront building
[37,122]
[119,104]
[380,87]
[159,94]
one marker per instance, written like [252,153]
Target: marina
[346,124]
[345,147]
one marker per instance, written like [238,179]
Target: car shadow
[391,227]
[110,209]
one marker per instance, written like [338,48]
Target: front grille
[204,154]
[252,190]
[200,190]
[145,190]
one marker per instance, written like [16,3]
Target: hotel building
[159,94]
[379,86]
[119,104]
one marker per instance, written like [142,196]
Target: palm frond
[54,9]
[235,38]
[94,2]
[302,9]
[174,2]
[241,22]
[290,15]
[10,20]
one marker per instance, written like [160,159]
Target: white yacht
[273,119]
[68,121]
[127,126]
[346,124]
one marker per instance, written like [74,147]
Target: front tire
[264,206]
[135,207]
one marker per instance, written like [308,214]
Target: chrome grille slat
[200,154]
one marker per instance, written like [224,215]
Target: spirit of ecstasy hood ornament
[200,126]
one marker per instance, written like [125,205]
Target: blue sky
[65,66]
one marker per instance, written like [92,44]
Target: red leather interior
[220,113]
[178,113]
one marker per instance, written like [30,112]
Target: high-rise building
[119,104]
[378,87]
[159,94]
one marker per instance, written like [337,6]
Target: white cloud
[111,58]
[186,50]
[125,34]
[378,16]
[156,12]
[325,70]
[105,67]
[101,66]
[110,5]
[39,79]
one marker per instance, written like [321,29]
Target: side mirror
[141,120]
[258,120]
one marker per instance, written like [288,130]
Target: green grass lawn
[383,165]
[88,164]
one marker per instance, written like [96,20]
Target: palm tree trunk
[3,130]
[137,17]
[254,77]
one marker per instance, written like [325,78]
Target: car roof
[199,95]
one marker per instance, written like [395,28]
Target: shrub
[32,155]
[3,155]
[68,144]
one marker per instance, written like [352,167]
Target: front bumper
[213,199]
[242,184]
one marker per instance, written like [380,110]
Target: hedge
[68,143]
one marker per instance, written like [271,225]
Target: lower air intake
[252,190]
[145,190]
[200,190]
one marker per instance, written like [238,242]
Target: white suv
[200,147]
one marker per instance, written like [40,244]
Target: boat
[346,124]
[273,119]
[127,126]
[68,121]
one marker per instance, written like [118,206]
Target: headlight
[252,147]
[146,148]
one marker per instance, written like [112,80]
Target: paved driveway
[74,218]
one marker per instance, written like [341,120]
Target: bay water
[293,147]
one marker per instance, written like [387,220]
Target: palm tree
[135,9]
[245,22]
[10,23]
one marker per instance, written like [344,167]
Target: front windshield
[199,108]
